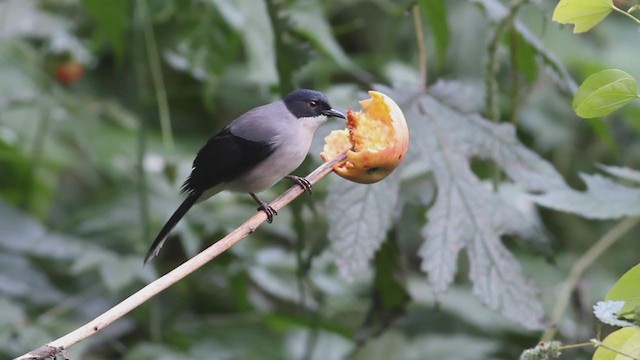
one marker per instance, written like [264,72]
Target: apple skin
[376,140]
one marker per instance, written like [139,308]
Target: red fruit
[69,72]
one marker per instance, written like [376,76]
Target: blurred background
[104,104]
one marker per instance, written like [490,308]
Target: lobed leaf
[583,14]
[609,312]
[468,215]
[603,199]
[359,217]
[624,173]
[604,92]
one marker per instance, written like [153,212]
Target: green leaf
[292,51]
[310,21]
[604,92]
[583,14]
[250,18]
[111,22]
[556,70]
[627,289]
[524,56]
[436,13]
[621,340]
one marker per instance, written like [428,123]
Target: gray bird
[252,153]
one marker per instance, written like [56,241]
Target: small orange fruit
[69,72]
[375,140]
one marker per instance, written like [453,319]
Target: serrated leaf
[603,199]
[624,173]
[604,92]
[583,14]
[465,98]
[627,289]
[469,215]
[436,13]
[617,340]
[608,312]
[25,18]
[359,217]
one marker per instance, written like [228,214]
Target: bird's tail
[191,199]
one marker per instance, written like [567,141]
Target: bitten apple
[376,140]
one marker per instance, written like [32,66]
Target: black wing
[223,158]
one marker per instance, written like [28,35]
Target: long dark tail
[171,223]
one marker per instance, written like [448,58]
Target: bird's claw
[267,210]
[302,182]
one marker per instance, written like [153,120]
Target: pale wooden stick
[57,346]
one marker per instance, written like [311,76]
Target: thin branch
[515,77]
[422,50]
[579,269]
[491,73]
[127,305]
[156,75]
[493,65]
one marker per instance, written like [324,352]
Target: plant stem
[156,75]
[581,266]
[575,346]
[491,73]
[515,78]
[39,138]
[493,65]
[143,295]
[422,50]
[141,148]
[627,15]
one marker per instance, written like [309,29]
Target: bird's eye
[313,103]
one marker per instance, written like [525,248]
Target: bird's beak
[334,113]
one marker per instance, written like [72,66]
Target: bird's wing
[225,157]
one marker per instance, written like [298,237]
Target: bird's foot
[267,210]
[302,182]
[265,207]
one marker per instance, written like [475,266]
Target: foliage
[440,260]
[608,90]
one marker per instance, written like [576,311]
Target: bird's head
[310,105]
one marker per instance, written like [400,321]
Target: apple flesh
[376,140]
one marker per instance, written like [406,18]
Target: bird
[252,153]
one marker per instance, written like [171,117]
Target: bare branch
[57,346]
